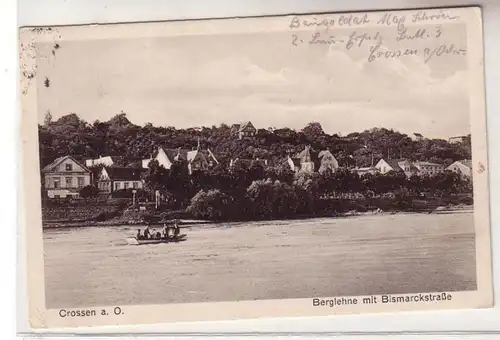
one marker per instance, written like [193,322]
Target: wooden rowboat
[134,241]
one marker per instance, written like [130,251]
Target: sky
[205,80]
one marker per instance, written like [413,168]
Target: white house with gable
[64,177]
[161,157]
[387,165]
[463,167]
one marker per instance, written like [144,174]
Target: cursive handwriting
[325,23]
[424,16]
[379,43]
[421,33]
[390,19]
[316,39]
[352,19]
[376,53]
[357,39]
[342,21]
[443,49]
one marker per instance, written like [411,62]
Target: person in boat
[166,231]
[153,234]
[139,236]
[147,234]
[177,230]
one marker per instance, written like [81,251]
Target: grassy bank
[116,213]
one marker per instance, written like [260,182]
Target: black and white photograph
[334,160]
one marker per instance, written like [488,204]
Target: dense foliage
[237,195]
[252,191]
[70,135]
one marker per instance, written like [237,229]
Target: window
[57,183]
[117,186]
[135,185]
[69,167]
[69,182]
[80,182]
[125,185]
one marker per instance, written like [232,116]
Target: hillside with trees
[251,191]
[70,135]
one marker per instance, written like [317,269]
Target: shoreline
[186,223]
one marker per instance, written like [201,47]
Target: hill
[120,137]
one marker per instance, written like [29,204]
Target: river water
[263,260]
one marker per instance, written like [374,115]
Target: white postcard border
[43,318]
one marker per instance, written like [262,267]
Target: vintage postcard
[257,167]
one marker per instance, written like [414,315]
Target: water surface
[263,260]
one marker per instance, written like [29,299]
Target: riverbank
[193,222]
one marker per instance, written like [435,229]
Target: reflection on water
[262,260]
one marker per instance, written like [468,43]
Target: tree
[280,172]
[307,188]
[285,201]
[211,204]
[448,182]
[48,119]
[313,129]
[156,177]
[88,192]
[272,199]
[260,194]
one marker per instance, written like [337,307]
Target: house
[243,130]
[246,163]
[428,168]
[162,158]
[457,139]
[308,161]
[387,165]
[302,162]
[196,160]
[417,136]
[327,161]
[106,161]
[113,179]
[463,167]
[64,177]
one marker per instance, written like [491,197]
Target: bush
[89,191]
[211,204]
[272,199]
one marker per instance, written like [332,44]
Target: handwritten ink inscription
[342,21]
[379,44]
[377,53]
[442,50]
[357,39]
[316,38]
